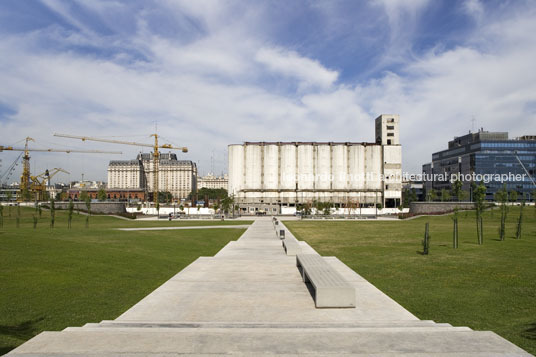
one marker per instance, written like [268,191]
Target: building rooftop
[304,143]
[481,135]
[165,159]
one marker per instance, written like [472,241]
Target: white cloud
[290,64]
[474,8]
[399,11]
[403,17]
[64,11]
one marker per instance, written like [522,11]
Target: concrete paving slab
[262,342]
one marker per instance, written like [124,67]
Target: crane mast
[25,177]
[156,164]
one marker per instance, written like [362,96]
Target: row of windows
[508,144]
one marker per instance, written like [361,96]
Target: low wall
[96,207]
[438,207]
[173,210]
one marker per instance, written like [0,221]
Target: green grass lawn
[488,287]
[54,278]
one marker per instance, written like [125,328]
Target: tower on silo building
[387,132]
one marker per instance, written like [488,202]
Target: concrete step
[380,342]
[312,325]
[246,330]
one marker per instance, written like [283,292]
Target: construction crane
[524,168]
[41,181]
[25,179]
[7,174]
[156,153]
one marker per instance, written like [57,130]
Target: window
[390,134]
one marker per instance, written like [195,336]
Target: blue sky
[212,73]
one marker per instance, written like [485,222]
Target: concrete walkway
[249,299]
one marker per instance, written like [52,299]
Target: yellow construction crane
[25,179]
[41,181]
[156,154]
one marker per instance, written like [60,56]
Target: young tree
[426,240]
[88,206]
[445,195]
[34,221]
[534,200]
[326,209]
[479,195]
[463,195]
[306,209]
[18,216]
[512,196]
[165,197]
[52,213]
[501,196]
[412,195]
[101,195]
[405,197]
[70,214]
[455,229]
[457,189]
[216,207]
[520,220]
[1,216]
[432,195]
[9,197]
[83,196]
[226,204]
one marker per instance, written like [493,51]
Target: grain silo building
[264,176]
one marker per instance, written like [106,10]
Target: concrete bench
[331,289]
[291,246]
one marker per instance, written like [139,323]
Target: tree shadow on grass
[530,333]
[23,331]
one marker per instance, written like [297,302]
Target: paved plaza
[250,299]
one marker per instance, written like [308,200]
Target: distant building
[264,176]
[213,182]
[85,184]
[488,156]
[179,177]
[9,193]
[415,187]
[129,195]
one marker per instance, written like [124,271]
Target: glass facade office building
[488,156]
